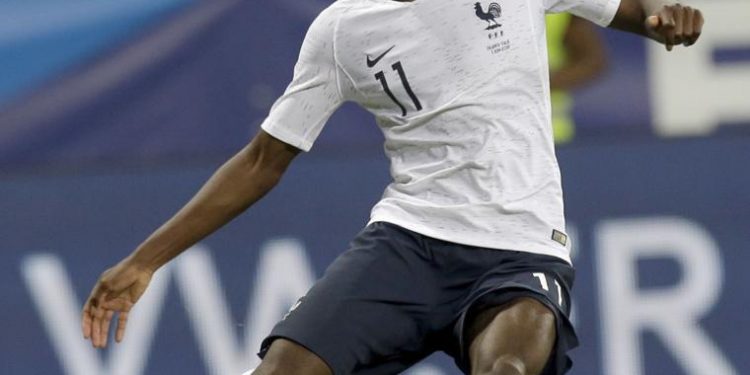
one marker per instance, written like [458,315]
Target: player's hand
[675,24]
[117,290]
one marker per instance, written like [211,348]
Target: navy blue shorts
[397,296]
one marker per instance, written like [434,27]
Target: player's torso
[408,59]
[460,90]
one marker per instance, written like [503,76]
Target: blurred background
[113,113]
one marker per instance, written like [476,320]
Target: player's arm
[292,125]
[665,21]
[234,187]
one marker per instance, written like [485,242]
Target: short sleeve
[299,115]
[600,12]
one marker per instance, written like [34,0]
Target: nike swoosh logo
[372,62]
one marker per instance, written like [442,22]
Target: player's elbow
[266,159]
[262,174]
[269,177]
[269,156]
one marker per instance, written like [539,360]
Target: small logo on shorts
[559,237]
[294,307]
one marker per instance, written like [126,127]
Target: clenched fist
[675,24]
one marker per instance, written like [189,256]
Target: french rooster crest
[493,11]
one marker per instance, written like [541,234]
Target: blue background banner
[661,212]
[177,79]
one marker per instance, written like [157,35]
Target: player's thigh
[515,338]
[373,307]
[286,357]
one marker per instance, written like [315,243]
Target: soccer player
[466,252]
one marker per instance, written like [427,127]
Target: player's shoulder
[330,15]
[328,19]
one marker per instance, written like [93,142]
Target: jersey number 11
[380,76]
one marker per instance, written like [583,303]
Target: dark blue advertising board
[660,230]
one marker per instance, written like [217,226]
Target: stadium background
[113,113]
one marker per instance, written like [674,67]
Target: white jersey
[460,89]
